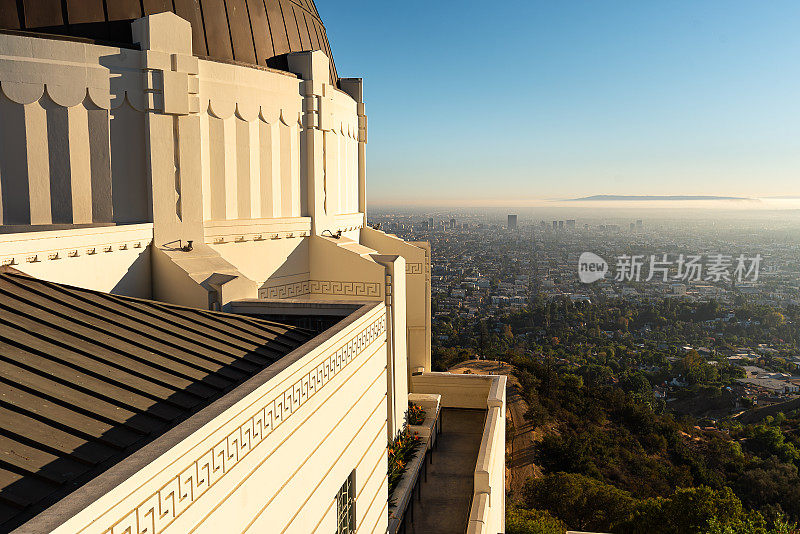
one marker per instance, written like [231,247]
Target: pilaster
[172,126]
[185,270]
[355,88]
[313,69]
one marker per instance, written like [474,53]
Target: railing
[403,517]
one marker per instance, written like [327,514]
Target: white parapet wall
[268,457]
[488,510]
[487,392]
[457,391]
[107,258]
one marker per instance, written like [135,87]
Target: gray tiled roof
[86,378]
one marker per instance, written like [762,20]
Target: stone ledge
[404,492]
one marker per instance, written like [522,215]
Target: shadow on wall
[127,151]
[291,273]
[137,280]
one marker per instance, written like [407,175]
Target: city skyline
[544,101]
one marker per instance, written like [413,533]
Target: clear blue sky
[514,100]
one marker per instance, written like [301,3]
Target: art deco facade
[198,331]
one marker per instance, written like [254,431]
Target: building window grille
[346,506]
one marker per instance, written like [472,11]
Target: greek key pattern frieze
[161,508]
[332,287]
[414,268]
[286,291]
[322,287]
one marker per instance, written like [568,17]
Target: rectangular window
[346,506]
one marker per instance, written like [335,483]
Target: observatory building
[199,333]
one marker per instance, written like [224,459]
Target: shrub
[522,521]
[400,451]
[416,414]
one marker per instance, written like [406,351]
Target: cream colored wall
[331,146]
[214,153]
[342,269]
[457,391]
[335,260]
[113,259]
[487,514]
[418,292]
[490,467]
[397,363]
[341,156]
[250,135]
[277,260]
[60,126]
[273,461]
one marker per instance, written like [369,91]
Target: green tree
[581,502]
[687,511]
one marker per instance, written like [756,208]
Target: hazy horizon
[790,205]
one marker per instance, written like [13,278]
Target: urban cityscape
[703,334]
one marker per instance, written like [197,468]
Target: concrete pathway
[447,494]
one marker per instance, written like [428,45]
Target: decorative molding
[388,289]
[286,291]
[323,111]
[70,252]
[414,268]
[321,287]
[260,236]
[171,84]
[241,230]
[224,109]
[348,221]
[156,512]
[24,93]
[251,94]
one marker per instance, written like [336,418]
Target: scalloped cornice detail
[24,93]
[224,109]
[135,100]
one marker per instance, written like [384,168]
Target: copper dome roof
[258,32]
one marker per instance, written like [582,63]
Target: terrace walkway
[447,494]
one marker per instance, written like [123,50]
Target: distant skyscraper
[560,225]
[571,223]
[430,223]
[639,224]
[631,227]
[555,225]
[512,222]
[452,224]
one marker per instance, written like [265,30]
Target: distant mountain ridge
[655,197]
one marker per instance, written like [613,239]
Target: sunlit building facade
[198,330]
